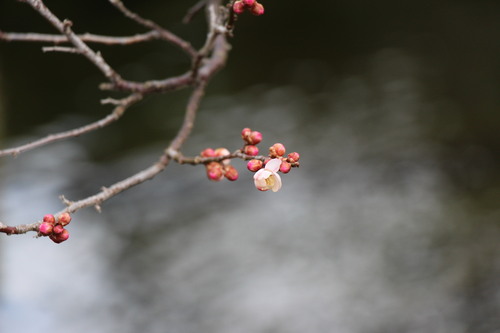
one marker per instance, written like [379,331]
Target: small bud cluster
[218,170]
[251,139]
[266,177]
[266,168]
[276,151]
[251,5]
[55,229]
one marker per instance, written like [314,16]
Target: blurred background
[391,224]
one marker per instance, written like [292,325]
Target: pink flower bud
[64,219]
[221,152]
[293,157]
[255,138]
[60,237]
[49,218]
[249,3]
[46,228]
[251,150]
[231,173]
[257,9]
[245,133]
[285,167]
[57,229]
[209,152]
[278,149]
[254,165]
[214,171]
[239,7]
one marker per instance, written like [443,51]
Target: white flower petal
[262,174]
[277,182]
[273,165]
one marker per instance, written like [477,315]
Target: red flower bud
[64,219]
[254,165]
[49,218]
[60,237]
[257,9]
[239,7]
[231,173]
[57,229]
[251,150]
[285,167]
[46,228]
[278,149]
[209,152]
[214,171]
[221,152]
[249,3]
[245,133]
[255,138]
[293,157]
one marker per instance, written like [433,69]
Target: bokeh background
[391,224]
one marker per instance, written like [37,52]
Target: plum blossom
[267,178]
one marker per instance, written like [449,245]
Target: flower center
[270,181]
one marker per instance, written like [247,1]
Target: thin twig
[152,86]
[64,27]
[196,160]
[165,34]
[191,13]
[189,117]
[112,117]
[88,38]
[60,49]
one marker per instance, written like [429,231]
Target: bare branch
[215,46]
[64,27]
[60,49]
[109,192]
[20,229]
[165,34]
[191,13]
[191,110]
[152,86]
[88,38]
[196,160]
[112,117]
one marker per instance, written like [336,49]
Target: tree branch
[216,46]
[118,111]
[88,38]
[64,27]
[165,34]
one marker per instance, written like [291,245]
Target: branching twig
[214,53]
[64,27]
[165,34]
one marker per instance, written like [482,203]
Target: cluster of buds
[218,170]
[266,168]
[266,177]
[251,139]
[55,229]
[252,6]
